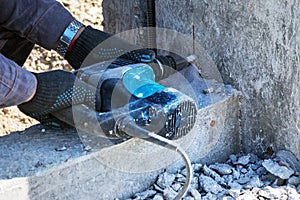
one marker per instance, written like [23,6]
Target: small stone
[244,171]
[233,193]
[195,194]
[180,178]
[264,194]
[213,174]
[247,195]
[195,182]
[227,198]
[243,160]
[188,198]
[243,180]
[176,186]
[197,167]
[289,158]
[254,166]
[157,188]
[158,197]
[294,180]
[235,174]
[165,180]
[292,193]
[256,182]
[210,185]
[228,178]
[261,171]
[268,178]
[253,158]
[255,190]
[43,130]
[209,196]
[145,194]
[250,173]
[223,169]
[248,187]
[233,158]
[169,193]
[274,168]
[274,193]
[235,186]
[298,189]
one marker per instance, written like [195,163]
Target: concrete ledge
[38,164]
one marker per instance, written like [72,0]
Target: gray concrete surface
[255,45]
[49,164]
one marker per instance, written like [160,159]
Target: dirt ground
[87,11]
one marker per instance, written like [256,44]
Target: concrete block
[51,164]
[255,46]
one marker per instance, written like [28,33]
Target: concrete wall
[255,45]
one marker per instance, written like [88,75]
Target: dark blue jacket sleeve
[39,21]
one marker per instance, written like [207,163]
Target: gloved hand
[91,42]
[55,91]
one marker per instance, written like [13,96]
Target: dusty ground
[86,11]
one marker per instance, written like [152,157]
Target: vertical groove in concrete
[255,45]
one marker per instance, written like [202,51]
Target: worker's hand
[94,46]
[55,91]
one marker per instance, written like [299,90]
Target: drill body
[131,95]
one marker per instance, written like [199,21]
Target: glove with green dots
[94,46]
[57,90]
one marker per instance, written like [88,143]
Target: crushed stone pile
[241,177]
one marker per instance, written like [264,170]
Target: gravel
[240,177]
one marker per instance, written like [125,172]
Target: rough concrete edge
[20,188]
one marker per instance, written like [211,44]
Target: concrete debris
[210,185]
[240,177]
[289,158]
[223,169]
[273,167]
[232,158]
[176,187]
[169,193]
[165,180]
[244,160]
[158,197]
[213,174]
[188,198]
[294,180]
[235,186]
[145,194]
[234,193]
[210,196]
[256,182]
[195,194]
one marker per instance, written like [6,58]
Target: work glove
[57,90]
[91,44]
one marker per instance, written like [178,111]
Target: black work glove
[91,44]
[55,91]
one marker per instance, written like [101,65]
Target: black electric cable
[129,126]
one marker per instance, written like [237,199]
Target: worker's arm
[16,84]
[57,90]
[40,21]
[44,22]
